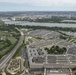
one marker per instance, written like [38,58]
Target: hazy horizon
[36,5]
[37,11]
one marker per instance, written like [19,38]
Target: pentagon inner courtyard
[37,37]
[41,52]
[50,52]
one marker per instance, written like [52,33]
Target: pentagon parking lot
[41,58]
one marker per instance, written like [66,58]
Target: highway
[4,62]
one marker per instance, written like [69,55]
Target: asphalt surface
[6,59]
[25,56]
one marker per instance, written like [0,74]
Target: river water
[40,24]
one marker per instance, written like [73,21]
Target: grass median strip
[19,51]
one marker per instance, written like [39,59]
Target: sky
[37,5]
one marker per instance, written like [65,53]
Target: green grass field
[33,39]
[5,50]
[5,47]
[19,51]
[12,40]
[3,44]
[2,33]
[73,40]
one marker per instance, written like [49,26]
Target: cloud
[42,2]
[40,5]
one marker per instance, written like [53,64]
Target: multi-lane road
[6,59]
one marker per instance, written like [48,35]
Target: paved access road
[4,62]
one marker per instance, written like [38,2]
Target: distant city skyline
[36,5]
